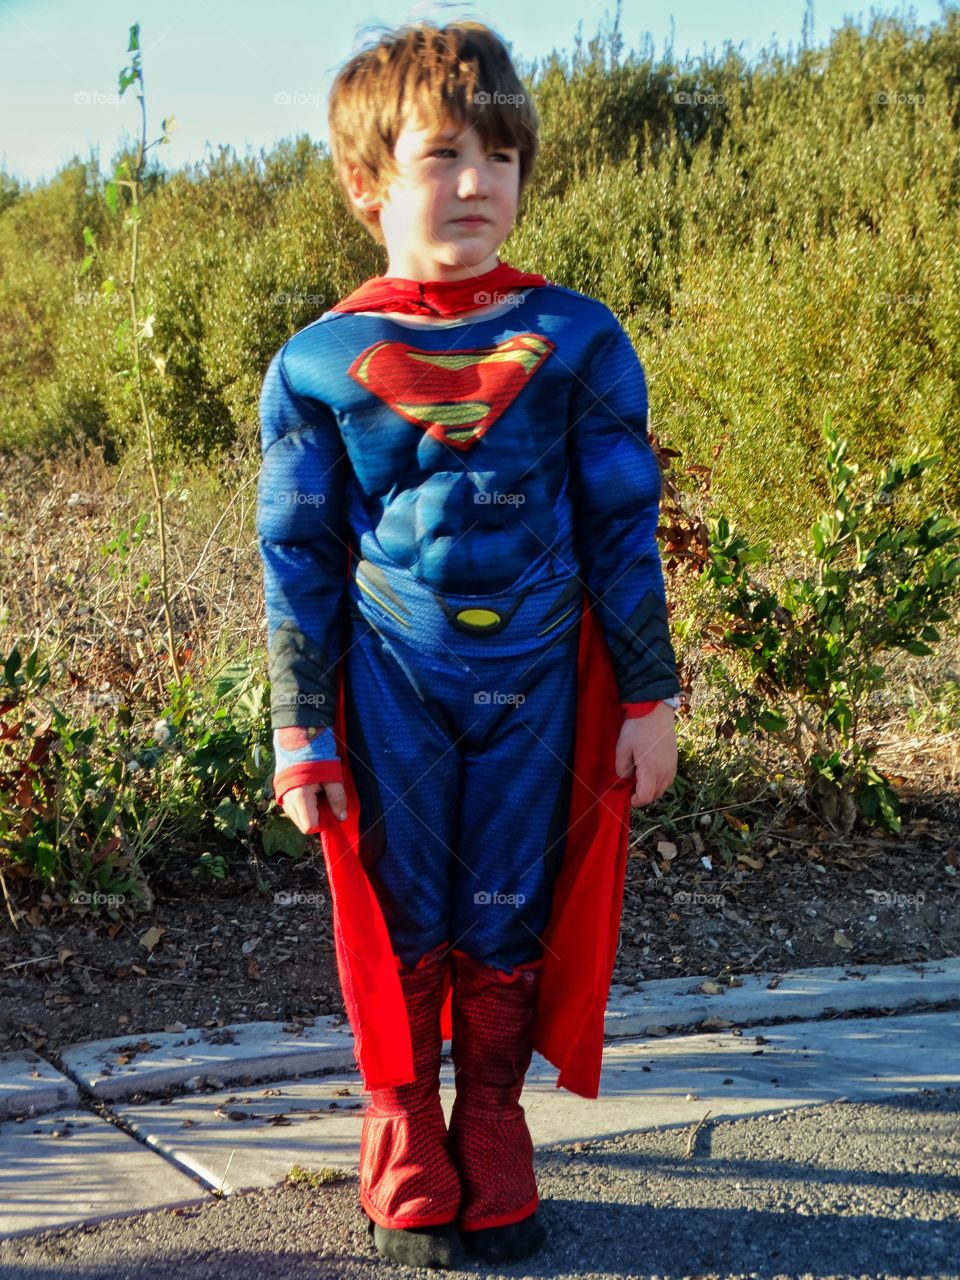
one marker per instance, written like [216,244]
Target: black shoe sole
[510,1243]
[438,1246]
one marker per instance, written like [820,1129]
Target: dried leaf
[152,936]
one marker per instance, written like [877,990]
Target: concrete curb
[29,1084]
[247,1053]
[677,1003]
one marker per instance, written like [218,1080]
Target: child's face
[445,175]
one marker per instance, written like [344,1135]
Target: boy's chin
[466,253]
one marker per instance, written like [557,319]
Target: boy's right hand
[302,805]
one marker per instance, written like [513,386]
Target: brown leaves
[152,936]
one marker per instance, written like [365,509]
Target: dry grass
[73,565]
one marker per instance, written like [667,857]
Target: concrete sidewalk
[124,1127]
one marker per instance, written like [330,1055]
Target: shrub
[810,648]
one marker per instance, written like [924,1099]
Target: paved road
[846,1189]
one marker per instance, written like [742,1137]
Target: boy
[468,641]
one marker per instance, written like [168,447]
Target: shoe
[508,1243]
[494,1014]
[407,1179]
[437,1246]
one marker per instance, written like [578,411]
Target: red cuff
[302,775]
[632,710]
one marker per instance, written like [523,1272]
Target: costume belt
[526,618]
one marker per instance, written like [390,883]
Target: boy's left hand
[649,744]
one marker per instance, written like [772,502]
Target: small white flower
[163,732]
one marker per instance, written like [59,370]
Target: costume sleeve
[616,503]
[303,540]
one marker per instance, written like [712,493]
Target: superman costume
[464,597]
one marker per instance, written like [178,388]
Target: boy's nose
[471,182]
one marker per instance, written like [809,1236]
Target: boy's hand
[302,805]
[648,743]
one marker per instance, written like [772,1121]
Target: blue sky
[224,67]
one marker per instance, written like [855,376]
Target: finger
[645,790]
[293,808]
[312,821]
[624,761]
[337,799]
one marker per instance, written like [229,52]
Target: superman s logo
[454,396]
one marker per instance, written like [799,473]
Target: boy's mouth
[473,220]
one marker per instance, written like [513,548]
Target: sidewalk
[124,1127]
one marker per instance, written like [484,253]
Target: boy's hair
[460,72]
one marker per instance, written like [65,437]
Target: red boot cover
[407,1178]
[493,1022]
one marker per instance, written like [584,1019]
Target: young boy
[471,669]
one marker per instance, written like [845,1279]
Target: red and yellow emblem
[454,396]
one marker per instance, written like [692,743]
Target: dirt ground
[259,946]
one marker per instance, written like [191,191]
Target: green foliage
[937,709]
[87,804]
[808,649]
[778,238]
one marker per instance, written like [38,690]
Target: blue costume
[479,474]
[464,597]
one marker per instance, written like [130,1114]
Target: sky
[248,73]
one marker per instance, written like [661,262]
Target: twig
[693,1136]
[9,905]
[720,808]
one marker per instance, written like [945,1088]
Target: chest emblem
[454,396]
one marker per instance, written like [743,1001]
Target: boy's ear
[358,186]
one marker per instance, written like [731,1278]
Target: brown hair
[461,71]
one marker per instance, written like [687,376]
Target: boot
[493,1023]
[409,1187]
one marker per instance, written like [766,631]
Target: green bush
[803,652]
[778,240]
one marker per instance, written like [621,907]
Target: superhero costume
[431,502]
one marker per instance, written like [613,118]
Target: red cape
[580,941]
[438,297]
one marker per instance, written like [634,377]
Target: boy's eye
[449,151]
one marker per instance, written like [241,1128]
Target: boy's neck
[438,272]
